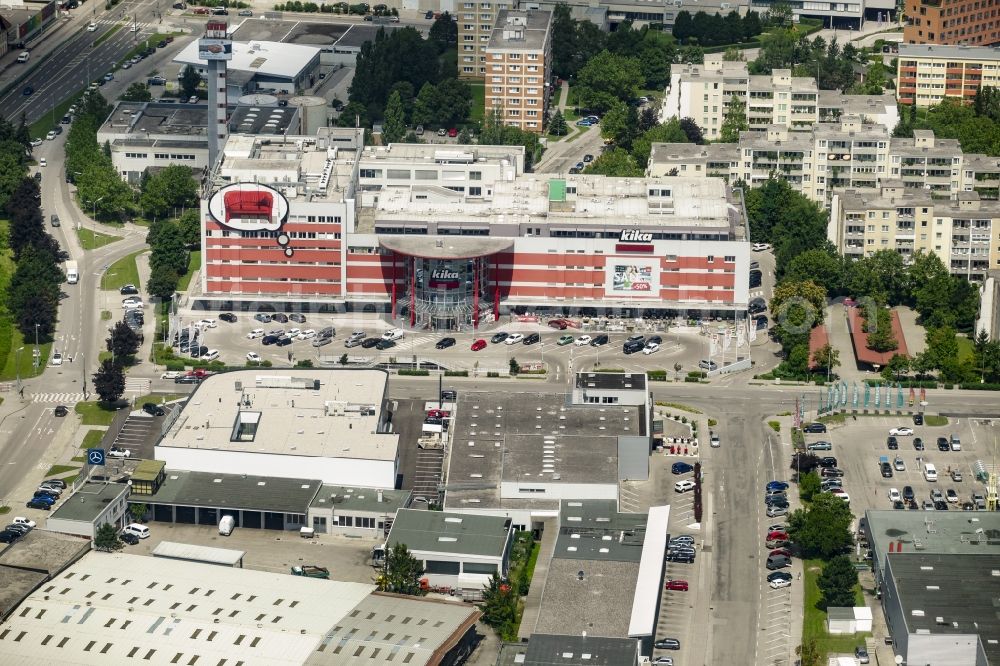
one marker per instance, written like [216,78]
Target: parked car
[814,428]
[901,431]
[681,468]
[478,345]
[684,486]
[819,446]
[599,341]
[667,644]
[677,585]
[129,538]
[153,409]
[532,339]
[36,503]
[499,337]
[228,317]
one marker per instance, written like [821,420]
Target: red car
[478,344]
[438,414]
[453,132]
[560,324]
[780,551]
[777,536]
[678,585]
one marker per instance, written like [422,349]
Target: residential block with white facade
[927,74]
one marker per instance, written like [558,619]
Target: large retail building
[453,238]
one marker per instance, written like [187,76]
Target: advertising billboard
[633,279]
[215,49]
[248,207]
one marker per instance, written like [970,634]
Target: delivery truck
[72,272]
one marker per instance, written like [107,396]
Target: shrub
[456,373]
[698,374]
[412,372]
[712,423]
[775,425]
[657,375]
[693,380]
[492,373]
[980,387]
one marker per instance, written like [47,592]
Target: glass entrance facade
[447,294]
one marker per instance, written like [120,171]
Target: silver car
[773,511]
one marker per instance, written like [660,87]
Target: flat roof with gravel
[369,500]
[595,530]
[526,438]
[590,596]
[89,501]
[441,532]
[45,551]
[324,413]
[234,491]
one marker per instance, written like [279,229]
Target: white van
[227,525]
[393,334]
[23,57]
[930,472]
[212,355]
[138,530]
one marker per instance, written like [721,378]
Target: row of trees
[15,152]
[443,105]
[100,190]
[976,126]
[35,286]
[831,65]
[576,42]
[403,62]
[714,29]
[170,240]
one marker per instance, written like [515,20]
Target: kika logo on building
[443,274]
[635,236]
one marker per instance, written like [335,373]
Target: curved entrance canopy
[445,247]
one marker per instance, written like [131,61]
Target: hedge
[697,374]
[913,383]
[456,373]
[657,375]
[413,373]
[980,387]
[692,380]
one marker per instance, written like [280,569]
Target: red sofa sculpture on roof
[248,204]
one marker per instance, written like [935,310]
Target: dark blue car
[777,485]
[681,468]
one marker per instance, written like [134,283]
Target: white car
[306,334]
[901,431]
[651,348]
[35,143]
[21,520]
[358,335]
[131,302]
[56,359]
[51,136]
[664,661]
[171,374]
[684,486]
[293,332]
[140,531]
[253,357]
[42,162]
[91,27]
[760,247]
[207,323]
[134,28]
[115,452]
[583,340]
[393,334]
[514,338]
[715,442]
[779,583]
[126,65]
[255,333]
[894,495]
[193,99]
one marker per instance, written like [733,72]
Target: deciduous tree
[823,529]
[123,343]
[734,121]
[394,126]
[837,582]
[109,381]
[617,162]
[106,539]
[400,572]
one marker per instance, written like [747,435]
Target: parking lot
[859,444]
[684,346]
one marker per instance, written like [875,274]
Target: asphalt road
[75,62]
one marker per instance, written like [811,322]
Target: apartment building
[972,22]
[850,14]
[519,62]
[981,174]
[702,92]
[475,25]
[962,231]
[848,154]
[927,74]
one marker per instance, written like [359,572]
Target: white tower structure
[216,48]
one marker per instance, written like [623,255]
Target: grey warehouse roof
[234,491]
[594,530]
[89,501]
[612,380]
[956,594]
[458,533]
[561,650]
[342,498]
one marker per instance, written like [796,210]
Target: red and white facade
[456,250]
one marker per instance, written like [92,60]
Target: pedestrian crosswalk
[410,343]
[57,398]
[137,385]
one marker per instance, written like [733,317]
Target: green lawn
[194,263]
[122,272]
[935,420]
[966,350]
[91,240]
[92,439]
[24,361]
[41,127]
[60,469]
[478,101]
[160,398]
[814,622]
[94,414]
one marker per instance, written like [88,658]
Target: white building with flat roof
[328,424]
[271,66]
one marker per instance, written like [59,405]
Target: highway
[74,63]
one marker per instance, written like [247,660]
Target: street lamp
[38,356]
[93,230]
[17,366]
